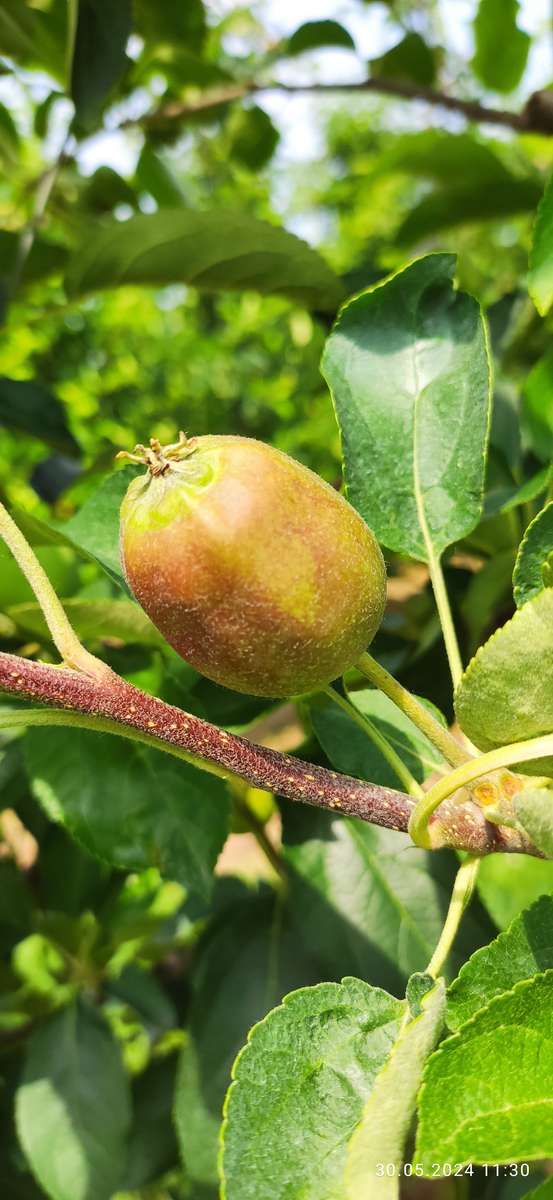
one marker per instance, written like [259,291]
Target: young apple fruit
[255,570]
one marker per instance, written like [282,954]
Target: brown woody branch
[112,699]
[535,117]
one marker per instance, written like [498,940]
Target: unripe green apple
[256,571]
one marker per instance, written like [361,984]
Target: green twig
[417,713]
[446,619]
[64,637]
[392,757]
[504,756]
[460,897]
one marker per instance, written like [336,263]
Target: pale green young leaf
[534,565]
[73,1106]
[521,951]
[407,364]
[506,693]
[214,251]
[388,1113]
[486,1094]
[321,1050]
[534,809]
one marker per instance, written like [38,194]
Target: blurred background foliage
[162,110]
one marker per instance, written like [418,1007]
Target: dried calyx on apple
[254,569]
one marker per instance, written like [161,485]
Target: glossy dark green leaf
[486,1094]
[322,1050]
[215,251]
[152,1147]
[520,952]
[182,25]
[351,750]
[462,204]
[253,137]
[29,407]
[366,898]
[540,273]
[313,35]
[501,47]
[407,364]
[94,530]
[154,176]
[134,807]
[488,592]
[412,60]
[105,189]
[506,693]
[45,258]
[33,37]
[249,960]
[9,137]
[534,565]
[73,1107]
[98,58]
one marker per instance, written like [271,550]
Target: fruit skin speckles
[256,571]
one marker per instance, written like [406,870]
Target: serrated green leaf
[521,951]
[215,251]
[73,1106]
[366,898]
[407,365]
[248,961]
[540,272]
[98,55]
[534,565]
[388,1113]
[486,1094]
[501,47]
[506,693]
[321,1049]
[313,35]
[133,807]
[534,809]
